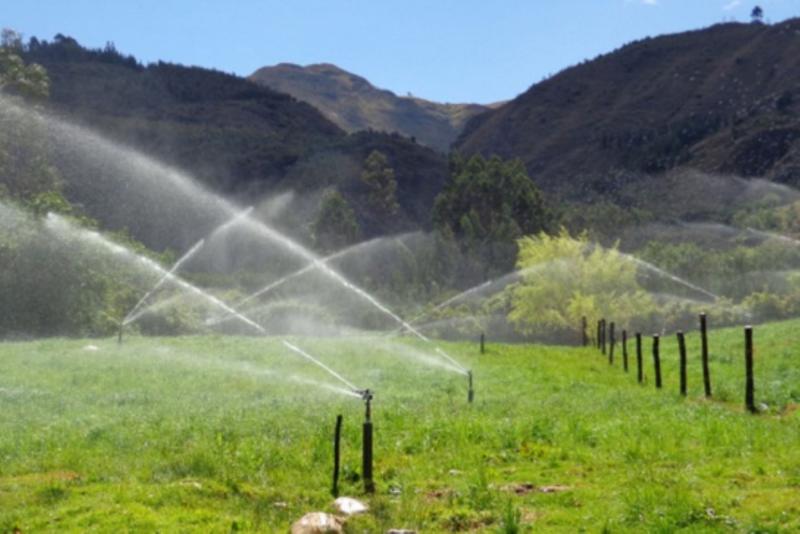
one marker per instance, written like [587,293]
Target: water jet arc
[304,354]
[183,259]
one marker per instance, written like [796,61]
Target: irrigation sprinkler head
[120,327]
[470,390]
[366,396]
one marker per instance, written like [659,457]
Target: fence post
[704,354]
[337,436]
[749,388]
[656,361]
[597,339]
[639,370]
[584,335]
[682,352]
[603,335]
[613,341]
[625,350]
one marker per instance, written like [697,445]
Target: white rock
[318,523]
[349,506]
[91,348]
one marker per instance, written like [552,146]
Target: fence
[605,329]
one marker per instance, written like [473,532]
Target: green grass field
[213,434]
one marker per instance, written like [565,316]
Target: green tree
[15,76]
[757,15]
[335,226]
[487,205]
[565,278]
[25,170]
[379,176]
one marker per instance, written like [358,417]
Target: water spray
[308,268]
[463,370]
[166,276]
[366,438]
[134,313]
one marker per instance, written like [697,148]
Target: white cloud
[732,5]
[650,2]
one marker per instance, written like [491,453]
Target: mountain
[241,139]
[354,104]
[724,99]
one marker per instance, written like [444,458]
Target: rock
[318,523]
[91,348]
[400,531]
[349,506]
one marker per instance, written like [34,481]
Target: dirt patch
[439,494]
[527,487]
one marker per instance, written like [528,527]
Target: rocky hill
[354,104]
[725,99]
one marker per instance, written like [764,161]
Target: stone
[349,506]
[400,531]
[318,523]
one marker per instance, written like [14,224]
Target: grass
[213,434]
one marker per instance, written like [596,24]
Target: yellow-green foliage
[566,278]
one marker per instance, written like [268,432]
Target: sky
[445,50]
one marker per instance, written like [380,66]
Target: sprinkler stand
[119,332]
[366,443]
[470,390]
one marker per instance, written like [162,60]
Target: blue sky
[445,50]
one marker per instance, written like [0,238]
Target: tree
[10,39]
[379,176]
[15,76]
[487,205]
[757,15]
[335,226]
[565,278]
[25,169]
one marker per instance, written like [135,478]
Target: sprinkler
[470,391]
[119,332]
[366,442]
[366,396]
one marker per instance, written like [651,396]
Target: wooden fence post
[603,335]
[749,388]
[612,343]
[625,350]
[682,353]
[656,361]
[639,370]
[704,354]
[597,339]
[337,436]
[584,335]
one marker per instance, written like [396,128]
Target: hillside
[724,99]
[354,104]
[241,139]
